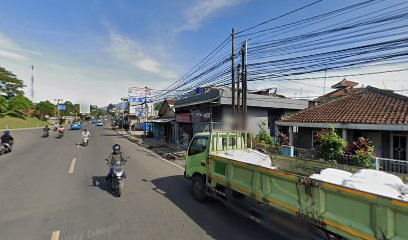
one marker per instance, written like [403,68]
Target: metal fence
[382,164]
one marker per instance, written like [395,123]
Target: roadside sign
[61,107]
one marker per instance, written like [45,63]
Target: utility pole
[244,84]
[324,85]
[233,76]
[238,97]
[146,88]
[32,82]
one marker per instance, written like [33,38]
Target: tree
[3,105]
[110,107]
[20,103]
[10,85]
[45,108]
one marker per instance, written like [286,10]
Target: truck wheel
[198,188]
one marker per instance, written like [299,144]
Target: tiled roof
[171,102]
[344,83]
[367,106]
[341,92]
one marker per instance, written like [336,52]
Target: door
[197,156]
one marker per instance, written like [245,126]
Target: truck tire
[198,186]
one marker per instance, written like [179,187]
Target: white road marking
[72,166]
[55,235]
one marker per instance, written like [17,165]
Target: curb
[151,152]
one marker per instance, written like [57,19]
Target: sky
[92,51]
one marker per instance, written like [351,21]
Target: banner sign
[183,117]
[61,107]
[202,115]
[140,93]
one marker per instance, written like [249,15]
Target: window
[399,147]
[198,145]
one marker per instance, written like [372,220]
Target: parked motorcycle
[5,148]
[118,177]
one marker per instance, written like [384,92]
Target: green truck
[339,211]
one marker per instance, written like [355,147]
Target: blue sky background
[94,50]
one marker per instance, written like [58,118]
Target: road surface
[53,189]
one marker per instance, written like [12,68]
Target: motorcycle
[60,134]
[5,148]
[117,177]
[85,141]
[46,134]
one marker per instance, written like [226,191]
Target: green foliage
[331,145]
[10,85]
[363,150]
[3,105]
[263,137]
[96,111]
[110,107]
[20,103]
[159,107]
[45,108]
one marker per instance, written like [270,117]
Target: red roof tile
[367,106]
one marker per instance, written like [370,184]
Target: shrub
[363,150]
[263,137]
[330,145]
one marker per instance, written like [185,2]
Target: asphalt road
[41,199]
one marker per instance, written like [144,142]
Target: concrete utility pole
[32,82]
[238,97]
[145,102]
[233,74]
[244,84]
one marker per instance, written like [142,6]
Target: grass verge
[8,122]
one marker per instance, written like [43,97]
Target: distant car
[93,121]
[76,126]
[99,123]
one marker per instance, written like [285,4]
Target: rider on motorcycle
[85,133]
[7,138]
[46,129]
[61,129]
[115,156]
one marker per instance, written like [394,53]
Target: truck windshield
[198,145]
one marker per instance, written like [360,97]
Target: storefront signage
[201,115]
[183,117]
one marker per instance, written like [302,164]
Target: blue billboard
[61,107]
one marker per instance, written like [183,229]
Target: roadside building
[164,124]
[377,114]
[212,109]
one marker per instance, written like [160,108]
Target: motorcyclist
[61,129]
[85,133]
[115,156]
[7,138]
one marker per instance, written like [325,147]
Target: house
[212,109]
[377,114]
[164,124]
[342,88]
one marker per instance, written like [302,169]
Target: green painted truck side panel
[349,213]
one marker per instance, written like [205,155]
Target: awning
[162,120]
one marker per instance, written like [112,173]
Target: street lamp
[57,109]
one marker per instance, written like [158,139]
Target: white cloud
[12,55]
[198,13]
[11,50]
[128,50]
